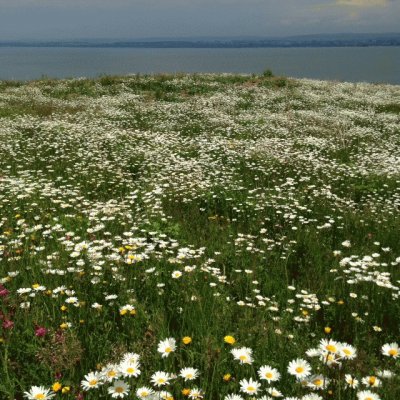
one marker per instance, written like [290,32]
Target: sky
[140,19]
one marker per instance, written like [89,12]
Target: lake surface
[354,64]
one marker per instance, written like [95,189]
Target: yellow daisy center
[93,382]
[318,382]
[299,370]
[251,388]
[130,370]
[243,358]
[393,352]
[168,350]
[269,375]
[40,396]
[161,380]
[119,389]
[372,380]
[331,348]
[111,373]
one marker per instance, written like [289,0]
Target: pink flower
[40,331]
[3,291]
[7,324]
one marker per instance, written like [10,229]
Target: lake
[353,64]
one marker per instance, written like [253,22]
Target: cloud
[362,3]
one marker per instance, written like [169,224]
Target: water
[353,64]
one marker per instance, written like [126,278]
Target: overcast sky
[71,19]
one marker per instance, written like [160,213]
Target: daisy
[367,395]
[110,372]
[166,347]
[92,381]
[195,394]
[129,369]
[189,373]
[39,393]
[243,354]
[311,396]
[391,350]
[233,397]
[274,392]
[318,382]
[268,373]
[347,351]
[163,395]
[371,381]
[160,378]
[351,381]
[249,386]
[329,346]
[119,389]
[299,368]
[131,358]
[144,392]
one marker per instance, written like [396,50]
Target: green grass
[140,208]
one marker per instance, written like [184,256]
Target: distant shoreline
[286,42]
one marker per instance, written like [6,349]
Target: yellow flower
[186,392]
[340,302]
[132,312]
[229,339]
[35,285]
[56,386]
[64,326]
[65,389]
[187,340]
[327,329]
[63,308]
[123,312]
[227,377]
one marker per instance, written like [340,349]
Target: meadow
[228,237]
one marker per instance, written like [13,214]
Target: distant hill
[316,40]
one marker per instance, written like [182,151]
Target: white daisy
[367,395]
[189,373]
[144,392]
[167,346]
[249,386]
[243,354]
[160,378]
[92,381]
[39,393]
[119,389]
[268,373]
[299,368]
[391,350]
[128,369]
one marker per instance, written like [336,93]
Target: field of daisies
[176,237]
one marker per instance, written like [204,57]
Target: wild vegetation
[199,237]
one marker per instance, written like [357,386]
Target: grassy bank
[251,220]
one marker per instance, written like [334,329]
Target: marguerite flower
[144,392]
[299,368]
[243,354]
[92,381]
[166,347]
[268,373]
[160,378]
[119,389]
[128,369]
[39,393]
[351,381]
[367,395]
[249,386]
[189,373]
[391,350]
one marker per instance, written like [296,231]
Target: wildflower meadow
[208,236]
